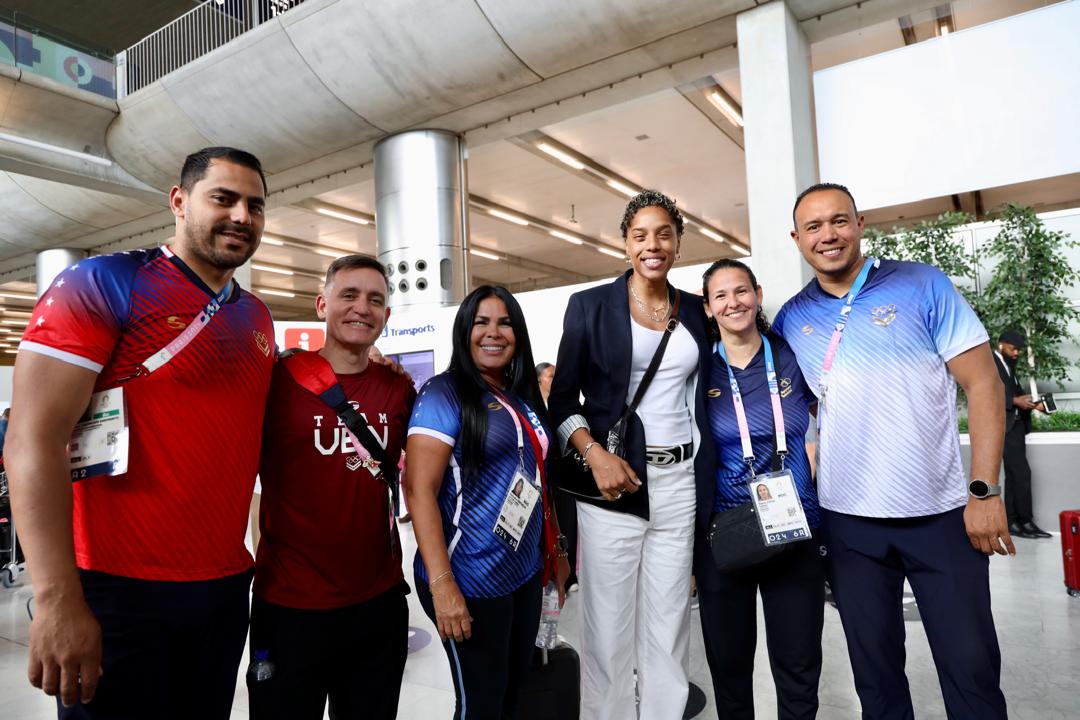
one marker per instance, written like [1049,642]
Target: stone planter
[1055,473]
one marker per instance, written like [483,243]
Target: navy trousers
[867,561]
[170,650]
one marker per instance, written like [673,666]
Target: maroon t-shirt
[326,539]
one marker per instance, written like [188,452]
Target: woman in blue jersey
[753,421]
[481,507]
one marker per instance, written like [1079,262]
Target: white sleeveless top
[663,410]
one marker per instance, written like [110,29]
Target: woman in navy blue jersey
[758,407]
[481,506]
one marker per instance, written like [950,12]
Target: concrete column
[780,143]
[421,211]
[51,263]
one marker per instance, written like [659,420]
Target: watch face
[979,488]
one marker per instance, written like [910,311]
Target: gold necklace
[658,313]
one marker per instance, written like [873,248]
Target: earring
[627,259]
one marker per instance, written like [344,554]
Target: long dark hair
[470,384]
[761,320]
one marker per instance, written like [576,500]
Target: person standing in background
[1018,407]
[565,505]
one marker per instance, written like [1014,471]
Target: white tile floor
[1038,627]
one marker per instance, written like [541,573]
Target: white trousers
[635,594]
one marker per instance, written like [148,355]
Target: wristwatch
[981,489]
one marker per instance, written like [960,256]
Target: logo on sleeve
[713,392]
[883,315]
[785,387]
[807,329]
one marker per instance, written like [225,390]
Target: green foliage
[1028,289]
[930,242]
[1061,421]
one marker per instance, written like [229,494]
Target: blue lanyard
[841,323]
[740,411]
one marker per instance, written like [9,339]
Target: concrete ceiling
[331,99]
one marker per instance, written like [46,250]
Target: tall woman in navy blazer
[637,540]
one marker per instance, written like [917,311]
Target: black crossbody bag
[735,538]
[571,475]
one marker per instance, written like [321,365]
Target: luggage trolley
[13,564]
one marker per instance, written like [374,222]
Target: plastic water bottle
[261,668]
[547,636]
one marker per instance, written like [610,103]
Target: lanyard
[740,411]
[537,438]
[841,323]
[181,341]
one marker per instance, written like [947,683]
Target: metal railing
[190,36]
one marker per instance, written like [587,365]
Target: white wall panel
[993,105]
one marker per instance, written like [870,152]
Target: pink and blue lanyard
[740,411]
[838,331]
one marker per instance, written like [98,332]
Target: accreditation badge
[516,510]
[99,442]
[779,509]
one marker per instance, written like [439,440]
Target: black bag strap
[313,373]
[654,364]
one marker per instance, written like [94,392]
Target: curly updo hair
[651,198]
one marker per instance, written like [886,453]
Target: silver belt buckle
[661,456]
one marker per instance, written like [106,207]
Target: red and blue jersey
[180,511]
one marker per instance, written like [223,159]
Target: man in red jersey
[329,611]
[139,569]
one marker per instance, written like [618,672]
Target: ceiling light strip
[726,106]
[339,215]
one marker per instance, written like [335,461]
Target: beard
[202,243]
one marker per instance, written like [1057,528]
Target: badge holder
[99,443]
[778,508]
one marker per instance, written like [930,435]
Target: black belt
[661,456]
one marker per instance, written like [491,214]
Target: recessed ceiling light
[612,253]
[331,253]
[623,188]
[739,248]
[11,352]
[280,293]
[13,322]
[267,268]
[486,255]
[343,216]
[271,240]
[726,107]
[18,296]
[707,232]
[567,237]
[563,157]
[508,217]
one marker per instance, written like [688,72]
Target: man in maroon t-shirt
[329,611]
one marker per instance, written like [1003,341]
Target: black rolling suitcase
[552,691]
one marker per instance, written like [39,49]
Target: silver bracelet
[585,454]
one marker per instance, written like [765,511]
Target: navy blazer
[594,363]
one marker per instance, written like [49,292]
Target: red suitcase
[1070,549]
